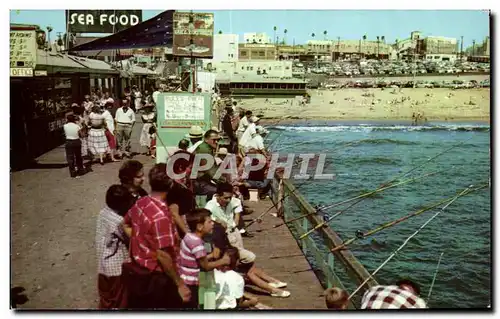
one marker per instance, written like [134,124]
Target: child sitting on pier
[193,255]
[336,298]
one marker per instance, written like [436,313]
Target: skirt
[111,139]
[145,139]
[98,143]
[85,146]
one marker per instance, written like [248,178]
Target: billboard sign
[201,31]
[101,21]
[23,49]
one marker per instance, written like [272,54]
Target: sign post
[176,113]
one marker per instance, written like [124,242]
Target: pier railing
[339,269]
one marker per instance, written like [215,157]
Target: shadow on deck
[279,256]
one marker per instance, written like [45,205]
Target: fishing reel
[360,234]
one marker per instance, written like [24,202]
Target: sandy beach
[437,104]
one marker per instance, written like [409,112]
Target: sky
[300,24]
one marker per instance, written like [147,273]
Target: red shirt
[153,228]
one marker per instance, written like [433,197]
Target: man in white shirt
[226,211]
[73,146]
[249,133]
[125,119]
[242,126]
[257,142]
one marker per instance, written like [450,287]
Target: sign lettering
[21,72]
[102,21]
[22,50]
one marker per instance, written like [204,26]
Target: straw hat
[222,151]
[214,128]
[195,132]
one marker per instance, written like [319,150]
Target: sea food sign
[200,30]
[23,49]
[101,21]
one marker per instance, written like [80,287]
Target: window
[262,53]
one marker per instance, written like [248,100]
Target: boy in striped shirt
[193,256]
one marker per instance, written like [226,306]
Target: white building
[261,38]
[282,69]
[225,47]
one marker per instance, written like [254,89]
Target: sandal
[281,294]
[279,284]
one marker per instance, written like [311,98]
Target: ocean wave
[373,160]
[371,128]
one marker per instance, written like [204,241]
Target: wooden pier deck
[279,256]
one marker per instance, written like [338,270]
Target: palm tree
[364,42]
[284,37]
[325,33]
[378,47]
[274,38]
[383,40]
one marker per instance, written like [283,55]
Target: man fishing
[403,295]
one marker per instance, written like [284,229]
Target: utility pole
[338,48]
[461,48]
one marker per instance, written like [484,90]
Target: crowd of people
[100,128]
[153,247]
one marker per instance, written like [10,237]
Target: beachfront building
[258,38]
[257,68]
[290,52]
[351,49]
[256,51]
[238,85]
[440,45]
[226,47]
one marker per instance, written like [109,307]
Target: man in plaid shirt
[152,276]
[401,296]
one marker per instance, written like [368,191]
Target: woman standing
[73,146]
[98,143]
[148,118]
[110,130]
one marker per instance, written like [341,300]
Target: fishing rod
[361,235]
[434,278]
[382,186]
[406,242]
[359,198]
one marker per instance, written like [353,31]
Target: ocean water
[363,156]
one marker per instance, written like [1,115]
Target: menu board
[184,107]
[23,50]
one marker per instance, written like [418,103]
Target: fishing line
[434,278]
[360,198]
[361,235]
[406,242]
